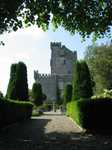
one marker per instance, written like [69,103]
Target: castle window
[69,72]
[64,62]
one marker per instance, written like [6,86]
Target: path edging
[82,129]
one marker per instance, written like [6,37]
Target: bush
[47,106]
[21,84]
[18,86]
[92,114]
[14,111]
[82,83]
[73,111]
[37,94]
[11,92]
[36,113]
[105,94]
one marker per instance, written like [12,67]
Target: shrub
[36,113]
[107,93]
[82,83]
[92,114]
[18,86]
[47,106]
[37,94]
[11,92]
[14,111]
[21,82]
[73,111]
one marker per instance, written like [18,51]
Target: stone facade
[62,60]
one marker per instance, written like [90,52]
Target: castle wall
[49,85]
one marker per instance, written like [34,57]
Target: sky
[32,46]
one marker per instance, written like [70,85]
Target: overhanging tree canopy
[83,16]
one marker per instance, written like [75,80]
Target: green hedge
[73,111]
[93,114]
[14,111]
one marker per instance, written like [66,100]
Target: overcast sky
[32,46]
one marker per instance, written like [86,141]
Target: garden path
[52,131]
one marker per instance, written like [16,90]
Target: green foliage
[14,111]
[47,106]
[67,94]
[85,17]
[11,91]
[82,83]
[18,86]
[106,94]
[35,113]
[73,111]
[21,82]
[99,60]
[37,94]
[92,114]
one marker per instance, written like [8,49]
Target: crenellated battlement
[55,44]
[58,45]
[39,76]
[59,49]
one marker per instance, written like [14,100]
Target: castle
[62,60]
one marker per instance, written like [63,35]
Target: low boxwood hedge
[92,114]
[13,111]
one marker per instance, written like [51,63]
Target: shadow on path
[77,141]
[32,135]
[24,135]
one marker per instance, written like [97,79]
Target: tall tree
[83,16]
[99,59]
[18,86]
[82,83]
[11,91]
[21,82]
[37,94]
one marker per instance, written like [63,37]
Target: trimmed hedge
[37,94]
[92,114]
[73,111]
[82,82]
[14,111]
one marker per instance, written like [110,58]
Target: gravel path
[60,123]
[51,131]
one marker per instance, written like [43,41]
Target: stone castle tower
[62,60]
